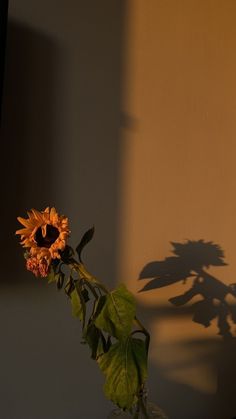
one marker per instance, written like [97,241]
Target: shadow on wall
[95,88]
[26,135]
[187,264]
[61,108]
[216,301]
[61,142]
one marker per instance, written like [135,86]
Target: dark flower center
[52,234]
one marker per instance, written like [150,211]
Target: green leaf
[85,295]
[69,287]
[125,369]
[93,337]
[78,304]
[116,313]
[87,237]
[52,276]
[55,276]
[60,277]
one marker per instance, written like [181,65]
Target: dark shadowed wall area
[60,145]
[122,114]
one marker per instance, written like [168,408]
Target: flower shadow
[190,262]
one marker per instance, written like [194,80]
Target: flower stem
[84,274]
[145,332]
[143,408]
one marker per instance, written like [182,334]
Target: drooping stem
[144,330]
[91,288]
[84,274]
[143,408]
[136,413]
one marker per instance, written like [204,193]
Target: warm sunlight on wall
[179,159]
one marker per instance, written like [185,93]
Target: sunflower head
[44,236]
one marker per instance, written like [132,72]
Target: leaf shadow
[190,263]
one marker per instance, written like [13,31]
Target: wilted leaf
[116,313]
[87,237]
[69,287]
[78,304]
[52,276]
[125,369]
[60,280]
[92,335]
[85,294]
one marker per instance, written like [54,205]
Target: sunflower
[44,235]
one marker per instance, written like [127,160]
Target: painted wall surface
[122,114]
[60,146]
[178,199]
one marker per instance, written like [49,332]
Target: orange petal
[25,222]
[44,230]
[23,231]
[38,216]
[53,214]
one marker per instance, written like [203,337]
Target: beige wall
[122,114]
[179,171]
[178,181]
